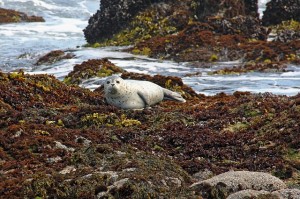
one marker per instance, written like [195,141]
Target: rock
[254,194]
[287,193]
[249,193]
[112,17]
[108,177]
[12,16]
[116,15]
[287,36]
[248,26]
[226,8]
[251,8]
[54,56]
[219,8]
[281,10]
[223,185]
[91,68]
[203,175]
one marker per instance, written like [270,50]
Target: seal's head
[113,85]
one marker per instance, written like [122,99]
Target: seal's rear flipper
[173,95]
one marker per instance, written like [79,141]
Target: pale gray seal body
[134,94]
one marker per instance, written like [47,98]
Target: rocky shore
[58,140]
[12,16]
[201,31]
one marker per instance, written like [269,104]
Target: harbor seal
[135,94]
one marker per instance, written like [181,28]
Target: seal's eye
[118,82]
[108,82]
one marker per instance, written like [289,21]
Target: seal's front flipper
[173,95]
[144,98]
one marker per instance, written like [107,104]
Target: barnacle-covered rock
[281,10]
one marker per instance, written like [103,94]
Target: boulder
[112,17]
[287,193]
[281,10]
[221,186]
[254,194]
[249,193]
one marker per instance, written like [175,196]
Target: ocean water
[23,43]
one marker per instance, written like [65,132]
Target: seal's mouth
[113,90]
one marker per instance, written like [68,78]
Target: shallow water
[22,44]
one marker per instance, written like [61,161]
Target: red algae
[92,68]
[55,137]
[12,16]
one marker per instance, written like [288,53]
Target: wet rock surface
[205,31]
[54,56]
[112,17]
[12,16]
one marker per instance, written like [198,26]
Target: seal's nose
[112,84]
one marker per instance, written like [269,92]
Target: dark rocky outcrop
[219,30]
[113,16]
[281,10]
[222,8]
[12,16]
[246,26]
[251,7]
[116,16]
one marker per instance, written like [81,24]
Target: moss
[40,85]
[287,25]
[17,75]
[169,84]
[12,16]
[111,119]
[239,126]
[213,58]
[292,57]
[41,132]
[145,51]
[129,122]
[267,61]
[16,18]
[293,156]
[144,26]
[91,68]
